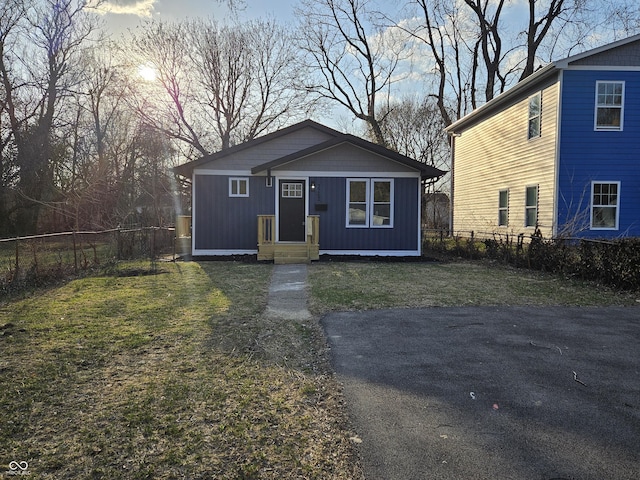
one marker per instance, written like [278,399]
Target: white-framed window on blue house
[535,116]
[369,203]
[238,187]
[357,195]
[609,114]
[605,205]
[503,208]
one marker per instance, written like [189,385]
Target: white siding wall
[495,154]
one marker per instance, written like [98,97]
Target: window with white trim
[605,202]
[531,206]
[369,203]
[238,187]
[535,115]
[503,208]
[609,105]
[381,199]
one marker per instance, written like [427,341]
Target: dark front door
[292,210]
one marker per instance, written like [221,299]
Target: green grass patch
[165,371]
[371,285]
[172,370]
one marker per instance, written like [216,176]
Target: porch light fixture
[313,186]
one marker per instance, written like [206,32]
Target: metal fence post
[75,253]
[17,256]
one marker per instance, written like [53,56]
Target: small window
[535,114]
[291,190]
[238,187]
[605,198]
[370,203]
[609,105]
[503,208]
[531,207]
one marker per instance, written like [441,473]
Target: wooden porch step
[291,253]
[290,260]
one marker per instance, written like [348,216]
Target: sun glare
[147,73]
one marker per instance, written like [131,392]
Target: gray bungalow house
[305,191]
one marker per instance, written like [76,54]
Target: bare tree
[36,73]
[220,85]
[12,12]
[451,59]
[352,63]
[247,74]
[89,179]
[472,50]
[415,128]
[171,107]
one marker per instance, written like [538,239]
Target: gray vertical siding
[223,223]
[334,235]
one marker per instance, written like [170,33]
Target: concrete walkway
[287,293]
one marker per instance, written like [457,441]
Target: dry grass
[172,370]
[372,285]
[168,373]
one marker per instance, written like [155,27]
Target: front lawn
[171,370]
[372,285]
[166,371]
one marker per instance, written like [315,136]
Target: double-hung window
[381,191]
[609,106]
[238,187]
[535,115]
[503,208]
[369,202]
[531,207]
[605,200]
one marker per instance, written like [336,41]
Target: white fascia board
[373,253]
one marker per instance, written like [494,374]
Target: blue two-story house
[558,152]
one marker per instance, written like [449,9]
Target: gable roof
[425,170]
[187,168]
[540,75]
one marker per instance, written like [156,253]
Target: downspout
[193,211]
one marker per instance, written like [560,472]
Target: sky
[122,15]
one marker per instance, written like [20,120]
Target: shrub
[610,262]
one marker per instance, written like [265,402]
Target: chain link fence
[614,262]
[38,259]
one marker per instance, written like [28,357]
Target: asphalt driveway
[492,392]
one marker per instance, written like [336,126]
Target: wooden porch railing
[268,249]
[313,230]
